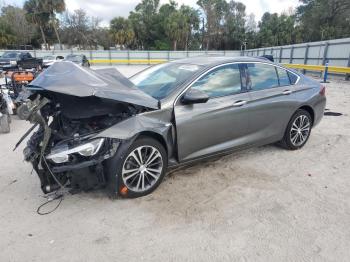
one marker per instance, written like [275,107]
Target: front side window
[283,76]
[262,76]
[222,81]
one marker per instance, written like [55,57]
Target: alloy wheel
[142,168]
[300,130]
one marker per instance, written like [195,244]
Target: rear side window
[262,76]
[283,76]
[293,78]
[222,81]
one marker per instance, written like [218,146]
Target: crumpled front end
[66,150]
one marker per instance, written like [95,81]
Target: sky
[107,9]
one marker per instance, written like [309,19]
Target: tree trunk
[43,36]
[186,44]
[57,35]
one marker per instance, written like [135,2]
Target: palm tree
[52,7]
[35,14]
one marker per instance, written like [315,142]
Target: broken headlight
[61,154]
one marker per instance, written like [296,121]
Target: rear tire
[5,124]
[298,130]
[141,176]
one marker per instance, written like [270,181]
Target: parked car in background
[11,60]
[50,59]
[98,128]
[78,59]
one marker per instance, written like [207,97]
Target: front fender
[135,125]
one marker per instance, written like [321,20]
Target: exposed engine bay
[68,115]
[61,150]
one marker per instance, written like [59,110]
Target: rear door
[272,101]
[218,124]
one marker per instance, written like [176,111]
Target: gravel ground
[262,204]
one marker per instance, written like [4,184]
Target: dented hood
[71,79]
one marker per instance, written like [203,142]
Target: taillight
[323,91]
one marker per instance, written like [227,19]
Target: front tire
[141,169]
[298,130]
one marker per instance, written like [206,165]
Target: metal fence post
[168,55]
[347,76]
[128,57]
[306,56]
[148,55]
[34,53]
[291,54]
[264,51]
[90,52]
[272,51]
[110,56]
[325,52]
[281,51]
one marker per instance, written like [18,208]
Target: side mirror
[194,96]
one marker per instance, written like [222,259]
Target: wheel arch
[310,110]
[155,136]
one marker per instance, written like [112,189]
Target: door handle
[239,103]
[287,92]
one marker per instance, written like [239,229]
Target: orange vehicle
[21,77]
[15,81]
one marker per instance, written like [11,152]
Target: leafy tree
[234,25]
[7,36]
[37,15]
[276,30]
[324,19]
[122,32]
[52,7]
[15,24]
[144,23]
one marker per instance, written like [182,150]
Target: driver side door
[219,124]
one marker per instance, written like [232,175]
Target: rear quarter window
[293,77]
[283,76]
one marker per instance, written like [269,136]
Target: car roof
[216,60]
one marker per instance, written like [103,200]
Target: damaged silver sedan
[96,128]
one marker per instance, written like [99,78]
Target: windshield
[10,55]
[74,58]
[160,80]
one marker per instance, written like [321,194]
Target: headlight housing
[61,154]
